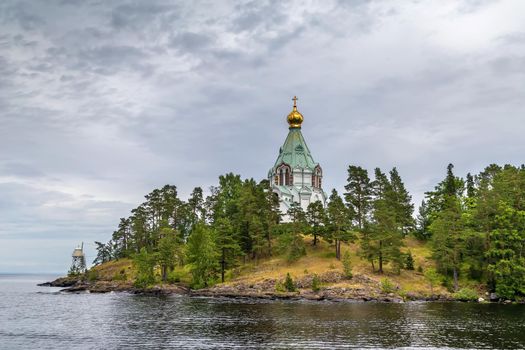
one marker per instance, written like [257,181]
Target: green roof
[295,152]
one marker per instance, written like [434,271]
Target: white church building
[295,176]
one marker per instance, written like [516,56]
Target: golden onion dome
[295,119]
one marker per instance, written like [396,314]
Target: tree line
[475,227]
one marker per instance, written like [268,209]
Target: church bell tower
[295,176]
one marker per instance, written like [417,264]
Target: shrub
[466,294]
[409,261]
[448,283]
[387,286]
[144,263]
[279,287]
[328,255]
[120,276]
[289,284]
[291,245]
[432,277]
[175,276]
[92,275]
[476,272]
[144,281]
[420,269]
[201,256]
[347,265]
[316,283]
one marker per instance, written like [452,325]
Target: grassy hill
[263,277]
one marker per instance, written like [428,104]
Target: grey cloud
[259,15]
[21,13]
[53,214]
[517,38]
[510,65]
[191,42]
[470,6]
[20,169]
[136,15]
[100,102]
[109,59]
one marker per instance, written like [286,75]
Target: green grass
[318,260]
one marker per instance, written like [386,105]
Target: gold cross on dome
[294,99]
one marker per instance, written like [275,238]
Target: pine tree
[358,193]
[169,251]
[249,224]
[122,239]
[447,240]
[291,241]
[471,188]
[436,201]
[422,222]
[402,203]
[227,244]
[382,238]
[339,222]
[507,249]
[409,261]
[270,214]
[224,201]
[139,225]
[315,216]
[297,217]
[451,187]
[196,205]
[104,253]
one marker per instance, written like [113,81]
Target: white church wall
[297,179]
[307,179]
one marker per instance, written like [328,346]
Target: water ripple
[40,317]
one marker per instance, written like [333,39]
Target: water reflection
[32,319]
[184,322]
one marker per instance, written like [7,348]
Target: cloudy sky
[100,102]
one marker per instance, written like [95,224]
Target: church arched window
[283,175]
[317,176]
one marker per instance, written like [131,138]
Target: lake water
[34,317]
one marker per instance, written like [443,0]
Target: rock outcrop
[334,287]
[67,281]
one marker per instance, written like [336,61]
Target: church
[295,176]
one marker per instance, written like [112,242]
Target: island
[284,238]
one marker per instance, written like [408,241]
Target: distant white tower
[78,265]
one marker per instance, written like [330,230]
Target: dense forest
[474,226]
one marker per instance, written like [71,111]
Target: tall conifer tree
[339,222]
[358,193]
[382,239]
[315,216]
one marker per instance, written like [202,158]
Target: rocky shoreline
[77,285]
[364,290]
